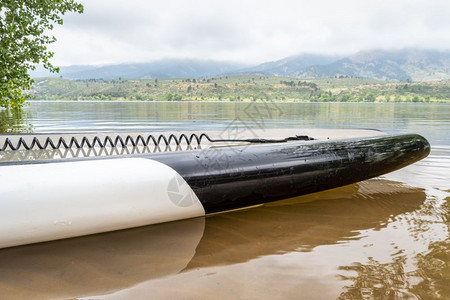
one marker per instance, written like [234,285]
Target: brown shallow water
[376,239]
[385,238]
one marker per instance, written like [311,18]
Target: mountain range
[165,68]
[397,65]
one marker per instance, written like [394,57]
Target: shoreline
[222,101]
[241,89]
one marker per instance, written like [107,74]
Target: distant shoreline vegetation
[246,88]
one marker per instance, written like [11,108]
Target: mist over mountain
[291,65]
[402,65]
[166,68]
[398,65]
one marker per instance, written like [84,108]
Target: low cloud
[248,31]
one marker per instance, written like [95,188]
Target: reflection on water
[288,225]
[434,266]
[129,260]
[430,120]
[378,281]
[393,280]
[98,263]
[21,155]
[16,121]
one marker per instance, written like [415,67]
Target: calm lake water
[385,238]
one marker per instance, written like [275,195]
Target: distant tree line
[300,83]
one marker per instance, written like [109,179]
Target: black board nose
[231,178]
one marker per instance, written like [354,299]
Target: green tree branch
[23,43]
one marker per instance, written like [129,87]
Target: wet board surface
[19,140]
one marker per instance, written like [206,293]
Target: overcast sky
[247,31]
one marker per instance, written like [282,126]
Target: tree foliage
[24,27]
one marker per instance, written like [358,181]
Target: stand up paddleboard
[45,200]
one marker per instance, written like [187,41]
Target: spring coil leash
[129,141]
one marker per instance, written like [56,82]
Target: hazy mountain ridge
[408,64]
[290,65]
[166,68]
[398,65]
[401,65]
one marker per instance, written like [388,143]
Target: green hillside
[242,88]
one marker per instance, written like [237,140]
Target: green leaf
[23,43]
